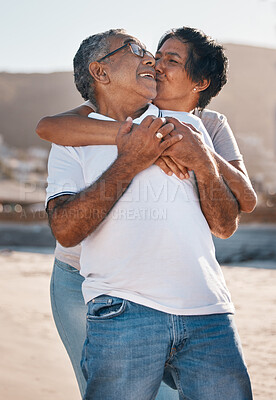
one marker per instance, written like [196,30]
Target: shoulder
[213,121]
[221,134]
[210,116]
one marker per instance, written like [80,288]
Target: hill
[25,98]
[248,101]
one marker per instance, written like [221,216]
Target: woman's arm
[235,176]
[229,159]
[73,128]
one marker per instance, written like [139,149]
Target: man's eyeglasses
[135,48]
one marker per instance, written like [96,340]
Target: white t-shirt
[223,142]
[154,247]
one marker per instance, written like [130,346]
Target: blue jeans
[130,348]
[69,313]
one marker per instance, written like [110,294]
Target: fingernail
[187,176]
[181,176]
[180,136]
[170,173]
[128,119]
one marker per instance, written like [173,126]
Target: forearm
[238,182]
[73,218]
[79,215]
[77,130]
[218,204]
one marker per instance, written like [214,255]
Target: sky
[43,36]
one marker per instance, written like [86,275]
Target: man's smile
[147,74]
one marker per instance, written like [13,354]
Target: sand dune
[34,365]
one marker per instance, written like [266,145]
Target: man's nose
[149,60]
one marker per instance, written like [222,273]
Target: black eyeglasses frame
[130,44]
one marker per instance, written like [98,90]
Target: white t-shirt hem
[218,308]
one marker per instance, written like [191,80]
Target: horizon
[71,70]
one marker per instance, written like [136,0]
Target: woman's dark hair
[206,60]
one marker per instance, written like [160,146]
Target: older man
[158,306]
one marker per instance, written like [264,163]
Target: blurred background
[38,42]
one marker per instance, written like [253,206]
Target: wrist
[206,165]
[125,164]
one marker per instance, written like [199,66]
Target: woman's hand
[170,166]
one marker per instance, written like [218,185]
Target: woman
[191,69]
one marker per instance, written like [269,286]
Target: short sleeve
[65,174]
[221,134]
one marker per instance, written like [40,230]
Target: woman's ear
[98,72]
[200,86]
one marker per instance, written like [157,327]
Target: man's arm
[218,204]
[74,217]
[236,178]
[233,172]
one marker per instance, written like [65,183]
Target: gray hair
[91,49]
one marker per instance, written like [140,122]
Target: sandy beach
[34,364]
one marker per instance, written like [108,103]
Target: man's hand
[73,218]
[218,204]
[140,147]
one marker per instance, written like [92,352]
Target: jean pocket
[105,307]
[66,267]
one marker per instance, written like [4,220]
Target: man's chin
[150,90]
[152,95]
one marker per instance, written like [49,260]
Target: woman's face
[174,87]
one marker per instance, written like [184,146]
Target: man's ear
[98,72]
[200,86]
